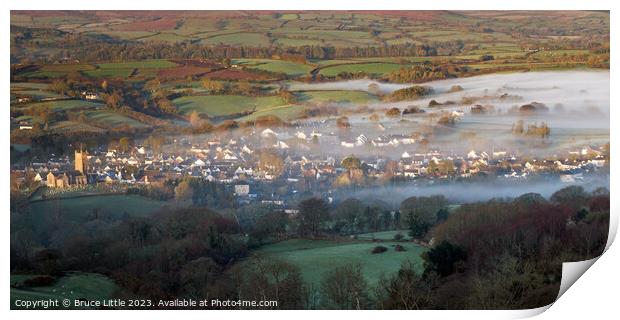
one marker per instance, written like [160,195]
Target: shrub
[379,249]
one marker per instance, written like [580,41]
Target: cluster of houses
[305,160]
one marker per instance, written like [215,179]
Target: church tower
[81,161]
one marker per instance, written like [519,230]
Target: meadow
[317,257]
[372,69]
[218,106]
[65,105]
[111,119]
[280,66]
[335,96]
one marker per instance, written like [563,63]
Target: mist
[466,192]
[577,111]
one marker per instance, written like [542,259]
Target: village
[273,165]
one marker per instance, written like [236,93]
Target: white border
[594,295]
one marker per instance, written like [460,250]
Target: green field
[335,96]
[37,94]
[66,105]
[164,37]
[125,69]
[109,73]
[384,235]
[113,119]
[376,69]
[316,257]
[28,85]
[280,66]
[73,126]
[146,64]
[58,70]
[76,285]
[242,38]
[217,106]
[285,112]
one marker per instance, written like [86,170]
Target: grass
[145,64]
[37,94]
[66,105]
[383,235]
[316,257]
[125,69]
[241,38]
[217,106]
[164,37]
[112,119]
[109,73]
[58,70]
[286,112]
[335,96]
[376,69]
[89,286]
[281,66]
[45,74]
[28,85]
[62,127]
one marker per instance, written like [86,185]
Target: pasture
[316,257]
[111,119]
[280,66]
[76,285]
[128,68]
[384,235]
[335,96]
[241,38]
[218,106]
[374,69]
[286,112]
[65,105]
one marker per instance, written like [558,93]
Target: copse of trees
[409,93]
[272,280]
[421,213]
[313,214]
[426,72]
[345,288]
[353,216]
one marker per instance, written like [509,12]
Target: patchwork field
[316,257]
[77,285]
